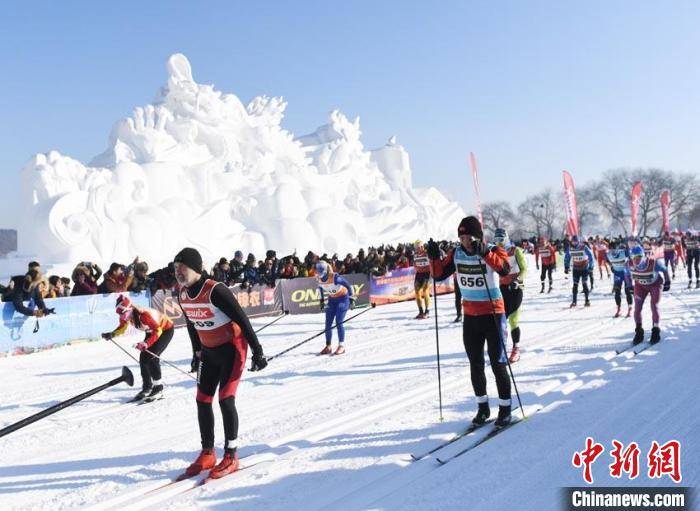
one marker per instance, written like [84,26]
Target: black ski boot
[587,303]
[142,395]
[542,290]
[697,284]
[655,335]
[156,393]
[638,335]
[690,284]
[482,414]
[504,417]
[550,287]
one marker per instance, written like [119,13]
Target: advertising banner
[76,318]
[397,286]
[301,296]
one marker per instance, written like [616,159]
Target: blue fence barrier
[76,318]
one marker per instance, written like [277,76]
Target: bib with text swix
[470,278]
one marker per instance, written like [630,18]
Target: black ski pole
[127,353]
[320,333]
[500,335]
[284,313]
[169,363]
[437,343]
[125,377]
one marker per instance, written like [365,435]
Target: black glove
[259,362]
[433,250]
[194,365]
[49,311]
[537,266]
[667,285]
[566,271]
[352,302]
[107,336]
[322,304]
[514,286]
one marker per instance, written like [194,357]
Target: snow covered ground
[335,433]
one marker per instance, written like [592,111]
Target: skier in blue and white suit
[581,256]
[618,257]
[336,299]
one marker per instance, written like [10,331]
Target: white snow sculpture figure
[196,167]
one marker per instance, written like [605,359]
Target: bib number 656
[471,281]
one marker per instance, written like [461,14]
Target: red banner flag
[665,205]
[636,195]
[570,205]
[475,178]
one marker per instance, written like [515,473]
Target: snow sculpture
[198,168]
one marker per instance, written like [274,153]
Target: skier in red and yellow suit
[159,332]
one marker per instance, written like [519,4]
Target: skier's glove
[194,365]
[352,302]
[108,336]
[49,311]
[566,271]
[667,285]
[322,305]
[259,362]
[514,286]
[141,346]
[537,266]
[433,250]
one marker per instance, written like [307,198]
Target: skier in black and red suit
[220,334]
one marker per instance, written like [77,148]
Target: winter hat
[191,258]
[470,225]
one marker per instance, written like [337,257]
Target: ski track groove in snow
[102,453]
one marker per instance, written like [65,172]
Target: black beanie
[470,225]
[191,258]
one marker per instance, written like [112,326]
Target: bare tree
[497,215]
[541,214]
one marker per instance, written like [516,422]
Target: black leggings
[150,365]
[546,270]
[692,262]
[581,275]
[476,330]
[229,413]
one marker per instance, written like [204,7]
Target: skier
[618,257]
[601,252]
[582,258]
[421,284]
[340,299]
[512,287]
[692,251]
[159,331]
[220,334]
[669,246]
[591,246]
[484,311]
[680,249]
[546,255]
[646,273]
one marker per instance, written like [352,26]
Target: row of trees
[603,206]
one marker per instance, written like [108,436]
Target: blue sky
[531,87]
